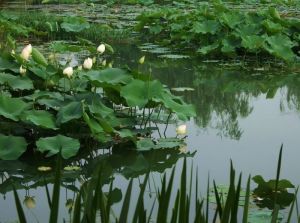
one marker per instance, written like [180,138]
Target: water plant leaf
[252,42]
[145,144]
[8,65]
[111,76]
[40,118]
[280,46]
[231,19]
[74,24]
[38,57]
[208,49]
[12,108]
[71,111]
[207,26]
[138,93]
[169,143]
[12,147]
[52,145]
[182,110]
[16,82]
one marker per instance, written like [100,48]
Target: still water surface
[243,115]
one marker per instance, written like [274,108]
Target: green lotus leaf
[280,46]
[53,145]
[8,65]
[113,76]
[207,26]
[12,108]
[40,118]
[252,42]
[138,93]
[182,110]
[12,147]
[75,24]
[145,144]
[16,82]
[69,112]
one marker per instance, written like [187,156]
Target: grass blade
[126,203]
[20,210]
[77,208]
[182,203]
[292,206]
[140,202]
[56,192]
[247,199]
[219,205]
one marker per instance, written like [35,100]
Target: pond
[245,111]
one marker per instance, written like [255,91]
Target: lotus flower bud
[110,65]
[22,70]
[29,202]
[181,130]
[142,60]
[79,67]
[28,48]
[94,60]
[68,72]
[88,63]
[13,52]
[101,48]
[104,63]
[26,52]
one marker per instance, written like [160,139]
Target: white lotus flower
[88,63]
[29,202]
[68,72]
[22,70]
[28,48]
[101,48]
[26,52]
[142,60]
[181,130]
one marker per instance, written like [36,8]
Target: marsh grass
[93,203]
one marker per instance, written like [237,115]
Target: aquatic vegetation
[50,26]
[217,30]
[229,204]
[56,106]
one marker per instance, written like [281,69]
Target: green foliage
[56,144]
[62,111]
[93,199]
[216,30]
[11,147]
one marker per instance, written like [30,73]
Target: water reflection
[224,95]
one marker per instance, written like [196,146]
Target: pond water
[244,114]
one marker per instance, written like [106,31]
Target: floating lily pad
[53,145]
[12,147]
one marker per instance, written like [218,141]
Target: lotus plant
[26,52]
[68,72]
[181,130]
[101,48]
[22,70]
[88,63]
